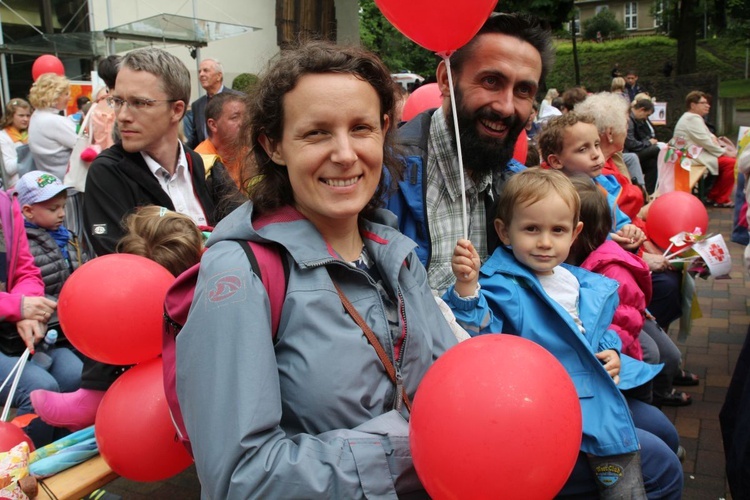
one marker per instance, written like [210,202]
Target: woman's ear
[271,149]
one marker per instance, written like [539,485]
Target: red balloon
[134,429]
[521,149]
[111,308]
[437,25]
[11,435]
[497,416]
[426,97]
[47,64]
[673,213]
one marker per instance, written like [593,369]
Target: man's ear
[386,124]
[554,161]
[271,149]
[211,124]
[179,110]
[502,231]
[441,74]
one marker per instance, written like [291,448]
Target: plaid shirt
[443,201]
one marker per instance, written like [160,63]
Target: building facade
[242,34]
[640,17]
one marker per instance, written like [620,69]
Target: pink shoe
[72,410]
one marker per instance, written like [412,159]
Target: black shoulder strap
[254,261]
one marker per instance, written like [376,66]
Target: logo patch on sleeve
[226,288]
[99,229]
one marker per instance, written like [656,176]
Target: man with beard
[496,76]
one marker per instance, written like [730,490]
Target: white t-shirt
[563,288]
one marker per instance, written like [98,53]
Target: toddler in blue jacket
[529,291]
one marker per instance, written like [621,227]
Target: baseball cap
[37,186]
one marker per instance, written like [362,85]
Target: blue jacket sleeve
[474,314]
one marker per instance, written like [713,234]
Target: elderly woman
[14,134]
[313,412]
[641,141]
[51,136]
[692,127]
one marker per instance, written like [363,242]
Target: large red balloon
[47,64]
[673,213]
[427,96]
[437,25]
[134,429]
[496,416]
[111,308]
[521,149]
[11,435]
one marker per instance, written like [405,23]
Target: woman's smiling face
[332,145]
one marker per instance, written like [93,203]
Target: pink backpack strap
[273,269]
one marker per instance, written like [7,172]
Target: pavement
[710,351]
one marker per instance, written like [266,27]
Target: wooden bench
[78,481]
[697,172]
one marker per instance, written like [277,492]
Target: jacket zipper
[398,396]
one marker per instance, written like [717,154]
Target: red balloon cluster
[111,309]
[441,26]
[497,416]
[47,64]
[134,429]
[11,435]
[427,96]
[673,213]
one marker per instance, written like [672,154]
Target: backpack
[267,263]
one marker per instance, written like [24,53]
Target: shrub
[605,23]
[245,82]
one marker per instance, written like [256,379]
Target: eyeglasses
[136,103]
[703,102]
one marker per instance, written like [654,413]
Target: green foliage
[245,82]
[646,54]
[605,23]
[397,52]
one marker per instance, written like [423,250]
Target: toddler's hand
[611,361]
[465,265]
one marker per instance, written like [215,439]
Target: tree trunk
[686,37]
[720,16]
[575,55]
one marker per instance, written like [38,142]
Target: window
[600,8]
[574,26]
[658,13]
[631,15]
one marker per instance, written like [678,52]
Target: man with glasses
[149,166]
[692,127]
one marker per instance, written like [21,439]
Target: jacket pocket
[584,384]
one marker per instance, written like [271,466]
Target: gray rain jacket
[309,414]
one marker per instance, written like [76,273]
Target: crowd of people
[309,163]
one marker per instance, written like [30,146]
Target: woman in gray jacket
[311,412]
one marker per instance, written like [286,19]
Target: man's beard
[482,154]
